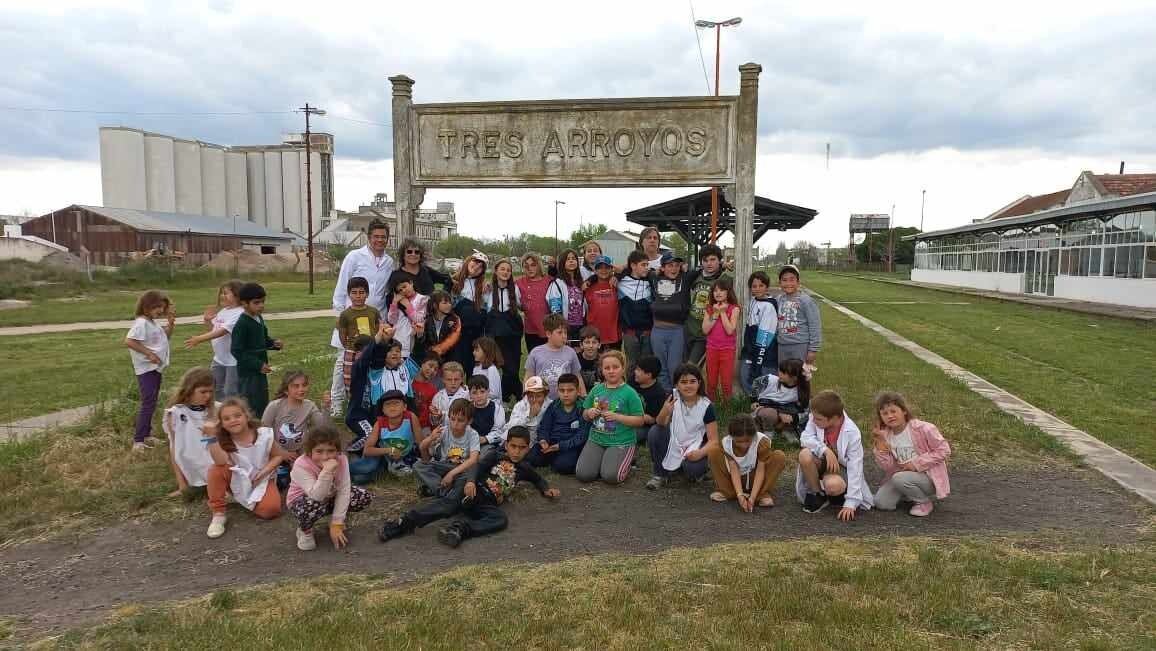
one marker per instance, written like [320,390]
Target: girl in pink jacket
[913,454]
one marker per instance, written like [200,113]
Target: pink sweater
[310,480]
[933,452]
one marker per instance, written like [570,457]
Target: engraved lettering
[647,137]
[664,141]
[469,142]
[577,139]
[553,145]
[599,139]
[620,148]
[446,138]
[514,144]
[490,141]
[696,141]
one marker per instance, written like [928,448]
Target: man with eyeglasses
[372,263]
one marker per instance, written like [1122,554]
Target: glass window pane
[1150,263]
[1094,262]
[1109,261]
[1136,262]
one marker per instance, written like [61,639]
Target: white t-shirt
[226,318]
[902,446]
[154,338]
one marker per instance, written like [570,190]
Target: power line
[26,109]
[698,41]
[338,117]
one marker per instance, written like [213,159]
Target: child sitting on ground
[392,440]
[250,346]
[745,467]
[481,514]
[553,358]
[425,388]
[591,348]
[407,312]
[290,415]
[488,363]
[913,454]
[321,486]
[780,404]
[148,345]
[453,375]
[489,417]
[646,373]
[614,411]
[686,431]
[452,452]
[561,430]
[245,456]
[528,411]
[831,444]
[190,407]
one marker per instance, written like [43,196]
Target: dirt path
[50,585]
[12,331]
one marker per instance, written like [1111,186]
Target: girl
[188,409]
[532,285]
[614,410]
[148,345]
[219,322]
[650,243]
[686,431]
[443,328]
[913,454]
[744,467]
[785,397]
[759,354]
[719,324]
[320,486]
[504,324]
[487,361]
[591,251]
[670,308]
[245,456]
[291,415]
[469,292]
[565,297]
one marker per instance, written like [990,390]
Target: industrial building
[1093,242]
[348,228]
[113,236]
[262,184]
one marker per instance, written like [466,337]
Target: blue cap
[671,256]
[603,260]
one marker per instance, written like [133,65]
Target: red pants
[719,371]
[218,485]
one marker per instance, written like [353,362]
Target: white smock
[248,461]
[687,431]
[189,442]
[748,461]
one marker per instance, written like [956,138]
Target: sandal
[718,497]
[766,501]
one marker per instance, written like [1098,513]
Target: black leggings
[511,347]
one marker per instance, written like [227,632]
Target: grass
[914,593]
[1093,371]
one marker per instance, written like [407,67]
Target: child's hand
[266,369]
[908,466]
[544,446]
[846,514]
[810,357]
[447,481]
[754,407]
[190,342]
[261,476]
[209,428]
[746,503]
[278,344]
[153,357]
[610,416]
[553,493]
[209,314]
[592,413]
[471,490]
[330,465]
[832,462]
[337,535]
[694,455]
[880,440]
[327,399]
[394,454]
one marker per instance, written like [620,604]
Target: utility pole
[717,25]
[309,110]
[922,203]
[891,240]
[556,204]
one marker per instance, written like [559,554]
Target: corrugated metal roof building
[113,235]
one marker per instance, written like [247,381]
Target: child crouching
[320,486]
[913,454]
[831,444]
[744,467]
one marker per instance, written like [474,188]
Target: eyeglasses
[413,251]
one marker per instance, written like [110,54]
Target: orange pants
[719,370]
[218,486]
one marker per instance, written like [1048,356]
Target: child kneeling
[245,458]
[320,486]
[745,467]
[831,443]
[913,454]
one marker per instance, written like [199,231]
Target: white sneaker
[139,446]
[217,526]
[305,541]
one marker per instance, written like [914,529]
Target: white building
[1095,242]
[348,228]
[264,184]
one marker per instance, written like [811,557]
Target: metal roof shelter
[690,217]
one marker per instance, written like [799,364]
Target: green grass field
[1093,371]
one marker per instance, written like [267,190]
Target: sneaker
[717,496]
[655,482]
[153,441]
[305,541]
[451,536]
[394,529]
[814,502]
[423,490]
[922,510]
[399,469]
[216,526]
[140,446]
[766,501]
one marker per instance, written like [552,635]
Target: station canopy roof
[690,216]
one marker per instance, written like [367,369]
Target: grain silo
[274,201]
[122,167]
[236,185]
[160,180]
[291,180]
[255,173]
[213,201]
[187,172]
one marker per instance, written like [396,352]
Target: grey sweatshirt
[799,321]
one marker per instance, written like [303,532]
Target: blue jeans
[669,347]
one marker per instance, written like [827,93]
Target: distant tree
[874,246]
[458,246]
[585,234]
[805,254]
[781,254]
[676,242]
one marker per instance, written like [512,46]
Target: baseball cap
[671,256]
[534,383]
[603,260]
[391,395]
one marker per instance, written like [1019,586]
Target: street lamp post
[717,25]
[922,203]
[556,204]
[309,110]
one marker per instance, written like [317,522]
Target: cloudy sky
[977,104]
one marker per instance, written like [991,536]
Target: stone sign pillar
[406,197]
[746,146]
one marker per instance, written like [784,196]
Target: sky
[953,110]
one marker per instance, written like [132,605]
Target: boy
[250,343]
[425,389]
[831,443]
[588,359]
[700,282]
[602,303]
[653,395]
[800,329]
[554,358]
[454,461]
[407,314]
[634,298]
[452,377]
[365,387]
[759,356]
[356,320]
[671,305]
[483,497]
[561,431]
[489,418]
[391,445]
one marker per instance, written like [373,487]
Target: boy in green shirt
[614,410]
[250,343]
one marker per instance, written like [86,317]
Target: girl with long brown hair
[245,457]
[504,324]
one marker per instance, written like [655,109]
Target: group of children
[414,411]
